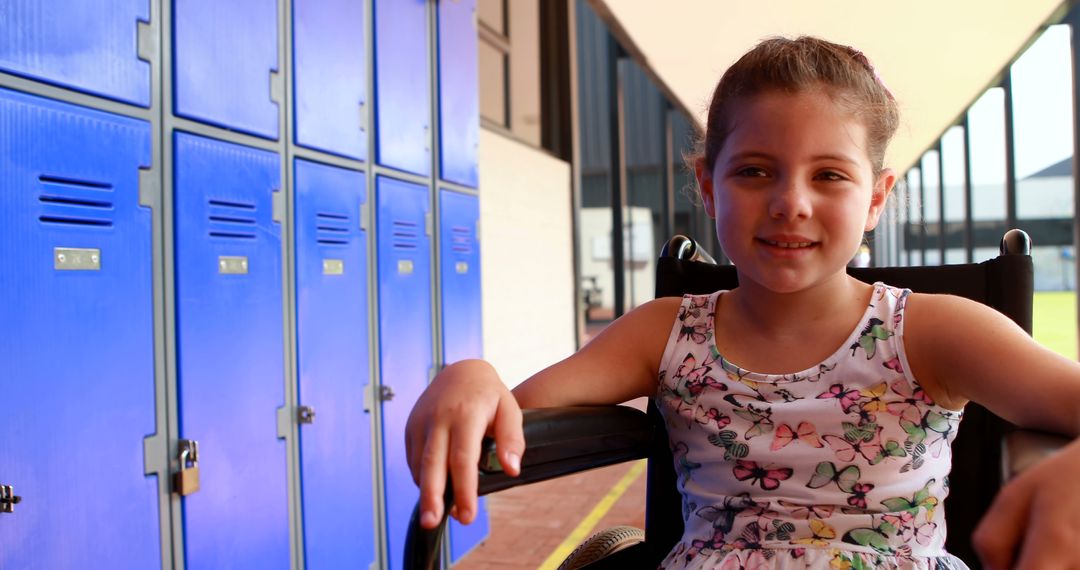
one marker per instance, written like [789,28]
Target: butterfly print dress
[843,465]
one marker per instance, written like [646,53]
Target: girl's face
[793,189]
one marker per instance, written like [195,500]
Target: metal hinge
[8,499]
[429,223]
[146,41]
[278,205]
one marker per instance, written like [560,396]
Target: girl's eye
[831,176]
[751,171]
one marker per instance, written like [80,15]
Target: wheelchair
[562,441]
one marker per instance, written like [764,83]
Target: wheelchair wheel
[601,544]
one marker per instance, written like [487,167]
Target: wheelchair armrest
[558,441]
[561,441]
[1023,448]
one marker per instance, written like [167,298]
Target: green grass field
[1054,321]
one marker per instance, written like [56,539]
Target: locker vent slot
[66,202]
[461,240]
[46,179]
[405,235]
[332,228]
[228,204]
[232,220]
[75,221]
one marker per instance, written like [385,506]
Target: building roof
[936,56]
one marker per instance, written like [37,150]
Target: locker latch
[305,415]
[186,480]
[8,499]
[385,393]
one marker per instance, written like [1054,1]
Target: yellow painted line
[585,527]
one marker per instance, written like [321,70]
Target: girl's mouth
[788,244]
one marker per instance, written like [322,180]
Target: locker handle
[386,394]
[8,499]
[305,415]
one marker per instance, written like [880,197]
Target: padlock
[186,481]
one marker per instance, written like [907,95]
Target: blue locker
[332,348]
[224,53]
[77,338]
[88,45]
[230,353]
[459,104]
[405,338]
[459,255]
[330,76]
[402,86]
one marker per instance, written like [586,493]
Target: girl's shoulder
[942,334]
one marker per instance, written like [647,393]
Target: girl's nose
[790,201]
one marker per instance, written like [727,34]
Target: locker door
[332,346]
[330,76]
[459,105]
[224,56]
[402,85]
[88,45]
[229,353]
[405,338]
[459,255]
[77,338]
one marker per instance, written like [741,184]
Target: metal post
[1073,19]
[922,215]
[941,203]
[969,224]
[616,174]
[1010,153]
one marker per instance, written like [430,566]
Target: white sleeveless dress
[842,465]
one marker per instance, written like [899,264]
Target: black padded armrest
[1023,448]
[558,441]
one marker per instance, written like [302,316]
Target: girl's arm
[960,350]
[467,400]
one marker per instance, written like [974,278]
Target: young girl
[810,414]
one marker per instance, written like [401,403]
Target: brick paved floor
[528,523]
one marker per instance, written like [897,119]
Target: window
[509,67]
[1042,123]
[953,175]
[986,125]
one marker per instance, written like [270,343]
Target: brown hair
[793,66]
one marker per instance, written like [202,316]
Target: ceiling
[936,56]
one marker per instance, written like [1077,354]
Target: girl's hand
[1033,522]
[444,432]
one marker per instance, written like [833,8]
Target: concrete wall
[526,246]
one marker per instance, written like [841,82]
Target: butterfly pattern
[841,465]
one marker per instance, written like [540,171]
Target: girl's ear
[883,186]
[705,186]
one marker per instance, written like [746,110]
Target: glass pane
[525,70]
[986,123]
[644,109]
[1042,111]
[690,218]
[490,13]
[952,155]
[931,213]
[594,220]
[492,83]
